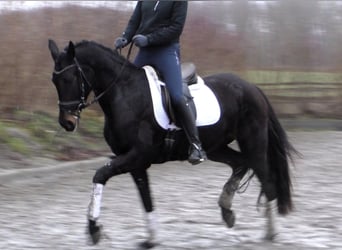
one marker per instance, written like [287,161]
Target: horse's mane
[111,53]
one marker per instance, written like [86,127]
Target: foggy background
[291,48]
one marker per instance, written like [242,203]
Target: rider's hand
[120,42]
[140,40]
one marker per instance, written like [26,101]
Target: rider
[155,27]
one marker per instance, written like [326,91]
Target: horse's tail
[279,153]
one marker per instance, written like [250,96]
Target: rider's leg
[169,65]
[187,120]
[166,60]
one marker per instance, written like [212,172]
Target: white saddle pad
[207,107]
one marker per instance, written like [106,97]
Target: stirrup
[196,155]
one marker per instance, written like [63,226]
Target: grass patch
[15,144]
[18,145]
[91,124]
[4,137]
[38,134]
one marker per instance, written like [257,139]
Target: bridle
[69,106]
[74,107]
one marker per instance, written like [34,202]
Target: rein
[82,104]
[97,98]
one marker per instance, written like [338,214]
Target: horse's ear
[71,50]
[53,49]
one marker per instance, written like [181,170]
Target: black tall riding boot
[187,120]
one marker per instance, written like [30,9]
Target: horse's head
[69,80]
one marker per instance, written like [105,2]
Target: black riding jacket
[161,21]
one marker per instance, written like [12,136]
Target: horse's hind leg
[270,215]
[253,145]
[227,195]
[233,158]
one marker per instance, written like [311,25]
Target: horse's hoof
[270,236]
[94,232]
[228,216]
[147,245]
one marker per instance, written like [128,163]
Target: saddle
[200,97]
[189,77]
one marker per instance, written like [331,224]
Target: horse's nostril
[70,126]
[67,125]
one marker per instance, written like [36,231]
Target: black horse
[138,141]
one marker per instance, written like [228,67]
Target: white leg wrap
[152,225]
[95,202]
[271,208]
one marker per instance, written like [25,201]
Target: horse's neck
[124,85]
[105,69]
[104,79]
[117,77]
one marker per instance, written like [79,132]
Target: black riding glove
[120,42]
[140,41]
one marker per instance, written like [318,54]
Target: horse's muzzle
[68,120]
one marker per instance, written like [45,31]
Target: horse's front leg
[140,178]
[94,207]
[119,165]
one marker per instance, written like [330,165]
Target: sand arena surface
[48,210]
